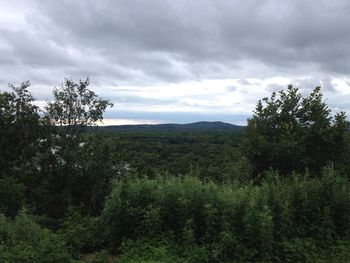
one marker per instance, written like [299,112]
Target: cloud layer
[162,56]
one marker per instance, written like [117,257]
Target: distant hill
[189,127]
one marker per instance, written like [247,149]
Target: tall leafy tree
[19,128]
[69,153]
[47,153]
[289,132]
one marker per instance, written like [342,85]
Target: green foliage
[82,233]
[286,219]
[57,167]
[11,197]
[94,171]
[207,155]
[100,257]
[290,133]
[299,250]
[19,130]
[76,105]
[22,240]
[149,251]
[75,173]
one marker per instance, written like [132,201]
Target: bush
[22,240]
[82,233]
[149,251]
[285,219]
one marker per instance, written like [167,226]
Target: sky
[182,61]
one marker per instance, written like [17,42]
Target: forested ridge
[275,191]
[200,126]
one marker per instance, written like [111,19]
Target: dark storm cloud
[169,41]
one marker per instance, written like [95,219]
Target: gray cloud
[244,82]
[308,84]
[231,88]
[145,43]
[168,41]
[274,87]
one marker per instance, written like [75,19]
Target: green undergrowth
[173,219]
[281,220]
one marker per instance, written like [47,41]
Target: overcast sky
[178,61]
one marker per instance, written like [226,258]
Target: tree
[75,105]
[289,132]
[47,154]
[19,128]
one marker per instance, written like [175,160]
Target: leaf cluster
[289,132]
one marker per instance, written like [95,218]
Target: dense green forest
[276,191]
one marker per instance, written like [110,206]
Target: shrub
[22,240]
[82,233]
[285,219]
[149,251]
